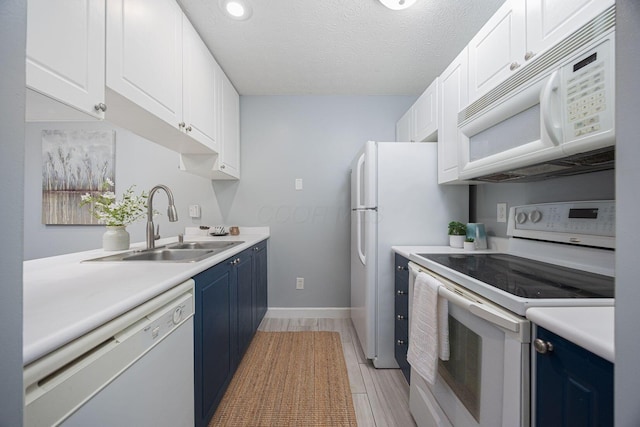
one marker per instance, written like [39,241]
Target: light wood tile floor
[380,396]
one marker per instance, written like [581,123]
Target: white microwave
[542,120]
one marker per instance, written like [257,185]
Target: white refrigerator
[395,201]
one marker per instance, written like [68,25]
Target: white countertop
[64,298]
[589,327]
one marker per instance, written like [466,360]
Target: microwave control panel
[589,99]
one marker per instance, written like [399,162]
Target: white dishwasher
[136,370]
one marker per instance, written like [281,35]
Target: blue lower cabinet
[226,301]
[574,387]
[401,314]
[215,338]
[259,258]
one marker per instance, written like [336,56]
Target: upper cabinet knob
[100,107]
[529,55]
[188,128]
[181,125]
[513,66]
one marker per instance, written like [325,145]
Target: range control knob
[535,216]
[521,217]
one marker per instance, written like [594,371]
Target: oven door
[485,382]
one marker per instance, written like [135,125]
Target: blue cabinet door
[574,387]
[215,338]
[260,282]
[244,284]
[401,334]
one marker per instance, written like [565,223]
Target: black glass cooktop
[527,278]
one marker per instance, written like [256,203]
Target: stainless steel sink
[177,252]
[203,245]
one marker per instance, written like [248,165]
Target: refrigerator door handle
[359,244]
[359,173]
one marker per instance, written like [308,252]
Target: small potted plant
[469,244]
[115,214]
[457,234]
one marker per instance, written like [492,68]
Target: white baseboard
[308,312]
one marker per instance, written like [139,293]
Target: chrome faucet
[152,236]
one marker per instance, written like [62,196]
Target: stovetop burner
[527,278]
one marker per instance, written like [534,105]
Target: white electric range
[559,255]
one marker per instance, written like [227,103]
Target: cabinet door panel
[550,21]
[144,55]
[260,282]
[573,386]
[244,277]
[67,63]
[452,97]
[199,97]
[215,341]
[404,127]
[230,144]
[426,113]
[499,43]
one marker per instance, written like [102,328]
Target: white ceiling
[337,47]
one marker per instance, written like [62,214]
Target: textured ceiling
[344,47]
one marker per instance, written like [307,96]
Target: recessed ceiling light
[398,4]
[236,9]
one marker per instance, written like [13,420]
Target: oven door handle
[480,310]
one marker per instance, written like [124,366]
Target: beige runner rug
[289,379]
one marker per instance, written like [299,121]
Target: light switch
[298,183]
[194,211]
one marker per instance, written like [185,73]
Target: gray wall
[282,138]
[594,186]
[313,138]
[627,374]
[12,56]
[139,162]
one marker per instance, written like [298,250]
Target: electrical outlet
[299,282]
[298,183]
[502,212]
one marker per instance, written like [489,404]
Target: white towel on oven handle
[429,327]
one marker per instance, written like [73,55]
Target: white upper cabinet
[420,122]
[403,127]
[65,67]
[228,163]
[518,32]
[550,21]
[199,88]
[453,96]
[497,50]
[426,114]
[144,55]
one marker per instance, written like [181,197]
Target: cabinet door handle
[513,66]
[221,166]
[400,342]
[181,125]
[529,55]
[100,107]
[401,268]
[189,128]
[542,347]
[400,317]
[401,293]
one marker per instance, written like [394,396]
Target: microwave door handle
[549,107]
[479,310]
